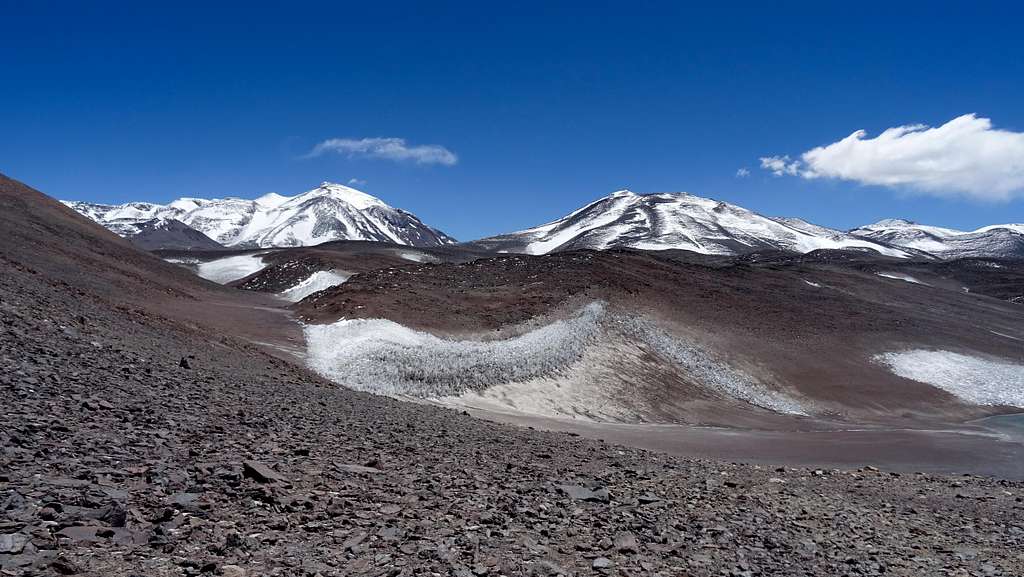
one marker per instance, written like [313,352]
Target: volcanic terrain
[156,423]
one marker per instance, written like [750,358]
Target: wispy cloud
[780,165]
[964,157]
[356,182]
[387,148]
[743,172]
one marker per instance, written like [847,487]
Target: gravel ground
[135,446]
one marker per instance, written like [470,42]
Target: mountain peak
[623,193]
[892,223]
[357,198]
[272,199]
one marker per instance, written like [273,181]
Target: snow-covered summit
[329,212]
[272,199]
[357,198]
[676,220]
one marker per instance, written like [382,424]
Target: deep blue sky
[547,106]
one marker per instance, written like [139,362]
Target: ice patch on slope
[902,277]
[418,256]
[705,369]
[318,281]
[974,379]
[383,357]
[587,392]
[183,260]
[225,270]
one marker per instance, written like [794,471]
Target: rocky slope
[995,241]
[168,234]
[118,460]
[326,213]
[134,441]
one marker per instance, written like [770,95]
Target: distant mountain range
[326,213]
[622,219]
[999,240]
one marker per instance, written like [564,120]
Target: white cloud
[964,157]
[743,172]
[780,165]
[387,148]
[356,182]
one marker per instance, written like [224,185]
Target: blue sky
[546,105]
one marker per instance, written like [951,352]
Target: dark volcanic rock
[170,234]
[583,494]
[261,473]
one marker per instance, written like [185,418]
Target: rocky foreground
[134,445]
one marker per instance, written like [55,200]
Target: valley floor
[970,448]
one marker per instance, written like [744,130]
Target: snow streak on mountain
[677,221]
[329,212]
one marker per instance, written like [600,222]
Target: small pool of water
[1008,424]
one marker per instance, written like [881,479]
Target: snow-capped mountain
[328,212]
[994,241]
[677,221]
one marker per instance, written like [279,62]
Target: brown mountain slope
[44,237]
[42,234]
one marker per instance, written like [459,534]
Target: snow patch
[417,256]
[813,284]
[383,357]
[587,393]
[225,270]
[975,379]
[318,281]
[185,260]
[902,277]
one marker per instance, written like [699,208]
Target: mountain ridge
[326,213]
[996,240]
[661,221]
[622,219]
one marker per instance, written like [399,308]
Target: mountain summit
[676,221]
[329,212]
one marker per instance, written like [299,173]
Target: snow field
[974,379]
[225,270]
[383,357]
